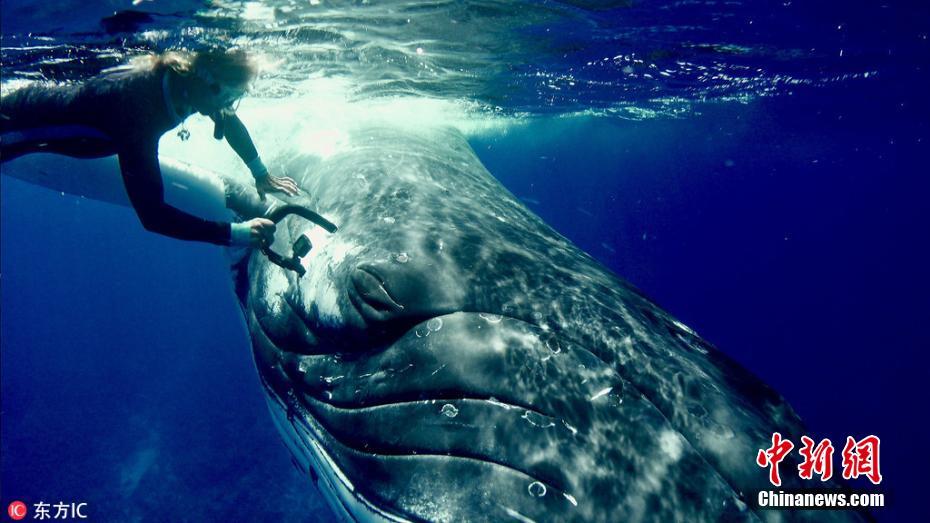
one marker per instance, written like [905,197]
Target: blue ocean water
[769,191]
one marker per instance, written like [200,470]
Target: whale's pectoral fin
[243,200]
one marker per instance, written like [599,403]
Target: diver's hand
[252,232]
[276,184]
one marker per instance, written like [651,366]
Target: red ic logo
[17,510]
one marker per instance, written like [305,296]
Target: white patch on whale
[276,282]
[318,288]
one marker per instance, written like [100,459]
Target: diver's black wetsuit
[123,113]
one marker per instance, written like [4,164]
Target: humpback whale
[447,356]
[450,357]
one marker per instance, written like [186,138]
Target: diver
[124,111]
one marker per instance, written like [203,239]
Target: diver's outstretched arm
[239,139]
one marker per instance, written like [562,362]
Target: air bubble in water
[401,257]
[537,489]
[434,324]
[449,410]
[552,343]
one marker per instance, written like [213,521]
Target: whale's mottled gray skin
[450,357]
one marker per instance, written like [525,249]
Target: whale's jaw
[461,395]
[301,436]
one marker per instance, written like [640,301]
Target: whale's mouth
[414,428]
[404,408]
[353,396]
[325,457]
[464,393]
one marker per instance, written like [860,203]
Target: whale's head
[415,374]
[449,357]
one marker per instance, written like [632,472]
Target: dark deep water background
[790,231]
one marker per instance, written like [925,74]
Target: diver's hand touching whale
[281,184]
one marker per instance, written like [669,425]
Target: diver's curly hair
[233,67]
